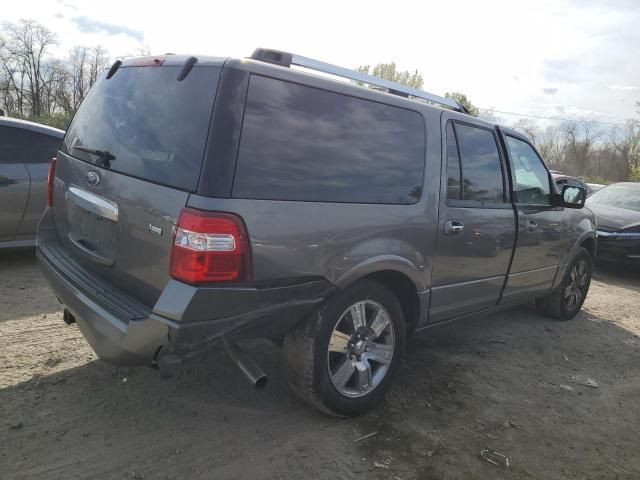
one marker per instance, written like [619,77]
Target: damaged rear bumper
[185,321]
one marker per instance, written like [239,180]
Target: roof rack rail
[286,59]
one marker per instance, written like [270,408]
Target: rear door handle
[531,225]
[453,226]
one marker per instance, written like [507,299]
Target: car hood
[614,217]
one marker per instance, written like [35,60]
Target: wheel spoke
[380,353]
[339,342]
[364,376]
[568,291]
[572,301]
[344,373]
[379,323]
[358,315]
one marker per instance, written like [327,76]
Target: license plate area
[92,222]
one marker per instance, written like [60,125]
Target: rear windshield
[155,126]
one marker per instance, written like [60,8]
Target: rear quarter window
[13,144]
[42,148]
[306,144]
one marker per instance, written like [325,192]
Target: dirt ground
[560,400]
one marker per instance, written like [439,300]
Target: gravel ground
[560,400]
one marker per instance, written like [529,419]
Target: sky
[559,58]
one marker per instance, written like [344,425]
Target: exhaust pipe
[245,363]
[68,317]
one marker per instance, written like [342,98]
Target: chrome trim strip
[93,203]
[600,233]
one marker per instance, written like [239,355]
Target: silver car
[26,150]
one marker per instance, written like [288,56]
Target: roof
[33,126]
[171,59]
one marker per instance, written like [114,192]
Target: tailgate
[122,228]
[127,164]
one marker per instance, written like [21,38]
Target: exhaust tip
[68,317]
[247,366]
[262,381]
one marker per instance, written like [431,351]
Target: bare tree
[528,127]
[626,143]
[82,69]
[579,137]
[552,146]
[25,48]
[488,114]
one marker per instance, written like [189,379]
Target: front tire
[343,357]
[565,302]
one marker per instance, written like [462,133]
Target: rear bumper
[185,320]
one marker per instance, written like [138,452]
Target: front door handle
[453,226]
[531,225]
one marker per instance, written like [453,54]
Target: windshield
[621,196]
[150,125]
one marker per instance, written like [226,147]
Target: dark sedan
[26,149]
[617,211]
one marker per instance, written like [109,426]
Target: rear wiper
[104,156]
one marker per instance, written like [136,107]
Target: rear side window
[481,167]
[42,148]
[307,144]
[155,126]
[13,142]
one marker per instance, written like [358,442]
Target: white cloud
[499,55]
[623,87]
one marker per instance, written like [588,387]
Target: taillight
[50,176]
[210,247]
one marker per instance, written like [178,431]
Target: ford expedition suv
[198,202]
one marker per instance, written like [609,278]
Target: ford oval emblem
[92,178]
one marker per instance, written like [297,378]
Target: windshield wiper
[104,156]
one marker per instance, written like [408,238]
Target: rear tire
[342,358]
[565,302]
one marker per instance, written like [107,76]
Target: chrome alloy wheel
[575,291]
[360,349]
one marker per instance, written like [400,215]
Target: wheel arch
[588,241]
[590,244]
[401,277]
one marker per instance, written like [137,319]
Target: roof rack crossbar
[286,59]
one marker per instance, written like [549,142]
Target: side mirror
[572,197]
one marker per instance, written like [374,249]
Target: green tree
[462,99]
[389,71]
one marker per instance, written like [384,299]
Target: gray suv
[197,202]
